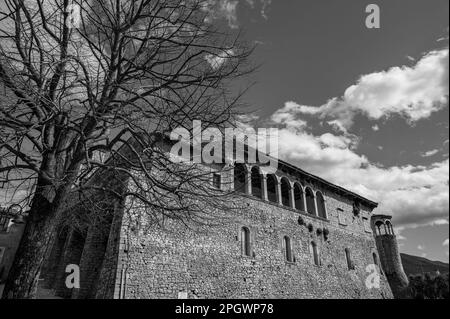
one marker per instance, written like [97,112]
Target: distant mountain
[414,265]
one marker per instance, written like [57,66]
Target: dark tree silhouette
[120,74]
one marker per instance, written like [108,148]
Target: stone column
[278,192]
[292,197]
[325,207]
[305,206]
[315,204]
[265,196]
[248,182]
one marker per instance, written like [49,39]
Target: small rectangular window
[341,217]
[348,257]
[246,242]
[315,254]
[288,249]
[217,181]
[367,225]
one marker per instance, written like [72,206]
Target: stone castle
[299,236]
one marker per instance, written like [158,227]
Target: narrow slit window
[375,259]
[246,242]
[315,253]
[288,249]
[348,257]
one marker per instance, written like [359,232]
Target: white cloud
[217,61]
[265,4]
[222,9]
[430,153]
[247,118]
[421,247]
[440,222]
[265,7]
[288,116]
[413,92]
[340,142]
[413,194]
[228,10]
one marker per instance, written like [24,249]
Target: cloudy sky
[365,108]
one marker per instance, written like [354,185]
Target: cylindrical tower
[389,254]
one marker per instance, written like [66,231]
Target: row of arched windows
[280,191]
[384,228]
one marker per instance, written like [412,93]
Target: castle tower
[387,247]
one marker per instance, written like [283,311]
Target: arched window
[285,190]
[246,242]
[321,205]
[298,197]
[315,253]
[240,178]
[288,249]
[390,229]
[256,183]
[348,257]
[272,188]
[310,203]
[379,227]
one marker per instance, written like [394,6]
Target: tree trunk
[37,238]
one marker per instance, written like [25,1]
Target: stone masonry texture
[129,260]
[207,262]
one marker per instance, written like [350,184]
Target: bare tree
[79,77]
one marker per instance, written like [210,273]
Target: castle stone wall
[207,262]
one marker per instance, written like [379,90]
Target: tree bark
[37,238]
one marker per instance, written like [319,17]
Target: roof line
[324,181]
